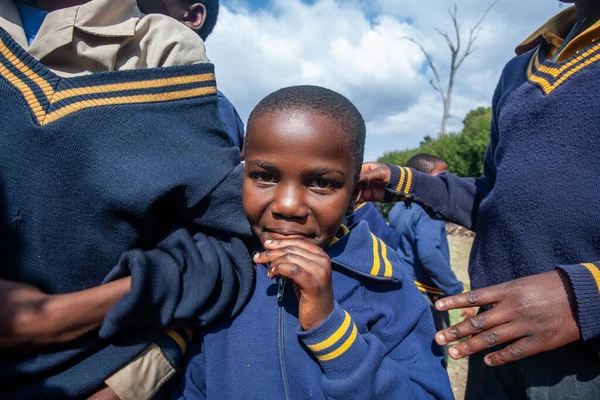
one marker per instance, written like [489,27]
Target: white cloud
[356,48]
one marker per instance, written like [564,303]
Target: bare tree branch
[431,65]
[474,34]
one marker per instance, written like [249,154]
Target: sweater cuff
[336,344]
[585,280]
[400,186]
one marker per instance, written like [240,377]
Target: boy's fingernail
[440,303]
[441,338]
[269,241]
[488,361]
[453,352]
[256,256]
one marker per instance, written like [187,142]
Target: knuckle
[289,256]
[453,333]
[477,322]
[491,338]
[472,297]
[467,347]
[295,269]
[514,352]
[289,247]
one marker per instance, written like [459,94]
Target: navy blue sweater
[231,120]
[536,206]
[108,175]
[377,343]
[368,212]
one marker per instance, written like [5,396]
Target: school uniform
[112,166]
[534,209]
[377,342]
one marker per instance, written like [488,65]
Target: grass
[460,247]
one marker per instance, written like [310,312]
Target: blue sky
[356,47]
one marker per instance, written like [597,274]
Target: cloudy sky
[356,47]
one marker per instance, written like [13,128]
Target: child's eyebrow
[325,171]
[262,164]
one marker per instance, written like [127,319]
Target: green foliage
[462,151]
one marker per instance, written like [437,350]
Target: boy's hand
[536,313]
[309,268]
[378,175]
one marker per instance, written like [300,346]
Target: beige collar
[106,18]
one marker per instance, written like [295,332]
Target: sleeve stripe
[341,331]
[342,349]
[401,181]
[178,339]
[408,180]
[427,289]
[376,262]
[388,266]
[595,273]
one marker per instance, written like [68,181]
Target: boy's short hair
[212,12]
[321,101]
[424,162]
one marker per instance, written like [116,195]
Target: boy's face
[299,177]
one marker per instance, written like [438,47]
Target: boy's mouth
[285,234]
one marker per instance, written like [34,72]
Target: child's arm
[537,314]
[394,359]
[30,317]
[202,272]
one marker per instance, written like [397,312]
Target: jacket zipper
[281,286]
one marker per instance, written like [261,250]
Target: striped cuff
[400,186]
[336,344]
[585,280]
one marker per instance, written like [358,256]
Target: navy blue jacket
[108,175]
[536,206]
[231,120]
[420,242]
[423,246]
[377,343]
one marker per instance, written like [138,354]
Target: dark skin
[193,15]
[535,313]
[299,184]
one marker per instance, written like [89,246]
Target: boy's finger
[301,243]
[296,273]
[485,340]
[522,348]
[484,321]
[479,297]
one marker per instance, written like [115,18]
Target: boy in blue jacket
[343,319]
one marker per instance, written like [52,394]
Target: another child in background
[423,245]
[343,319]
[201,17]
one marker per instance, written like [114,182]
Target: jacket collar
[103,18]
[359,251]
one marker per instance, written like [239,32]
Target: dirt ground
[460,247]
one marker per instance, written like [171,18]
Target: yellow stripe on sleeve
[376,262]
[331,340]
[595,273]
[178,339]
[388,266]
[342,349]
[408,180]
[401,180]
[136,85]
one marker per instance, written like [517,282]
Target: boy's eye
[262,177]
[324,183]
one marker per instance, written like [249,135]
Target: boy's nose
[289,203]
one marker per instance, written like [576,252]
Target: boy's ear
[357,194]
[195,16]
